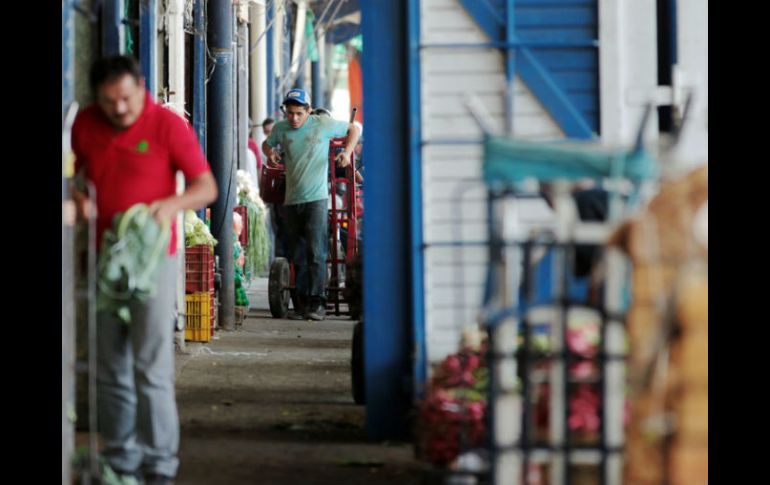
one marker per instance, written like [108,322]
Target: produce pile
[258,249]
[131,255]
[196,232]
[453,412]
[239,261]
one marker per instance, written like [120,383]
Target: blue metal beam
[535,75]
[487,17]
[242,99]
[420,363]
[343,32]
[221,144]
[347,8]
[270,35]
[387,269]
[234,100]
[512,43]
[532,72]
[148,39]
[112,27]
[199,78]
[199,72]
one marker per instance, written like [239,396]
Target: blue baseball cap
[298,96]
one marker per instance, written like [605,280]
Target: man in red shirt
[130,148]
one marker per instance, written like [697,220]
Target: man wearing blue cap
[304,138]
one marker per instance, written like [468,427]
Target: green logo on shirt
[142,146]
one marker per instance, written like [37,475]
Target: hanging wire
[321,24]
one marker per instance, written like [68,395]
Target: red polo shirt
[138,164]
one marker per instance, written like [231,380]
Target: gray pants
[137,414]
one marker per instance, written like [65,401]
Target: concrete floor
[271,403]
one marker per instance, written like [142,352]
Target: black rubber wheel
[278,292]
[357,364]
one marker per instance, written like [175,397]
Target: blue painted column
[417,270]
[199,72]
[148,43]
[199,78]
[387,271]
[112,28]
[270,34]
[221,148]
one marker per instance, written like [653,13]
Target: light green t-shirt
[306,156]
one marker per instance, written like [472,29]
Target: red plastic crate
[244,212]
[272,185]
[199,269]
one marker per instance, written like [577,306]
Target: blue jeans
[278,223]
[307,228]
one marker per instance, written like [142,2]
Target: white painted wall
[628,68]
[453,194]
[454,207]
[691,74]
[258,61]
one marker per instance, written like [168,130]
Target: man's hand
[343,159]
[164,210]
[272,158]
[200,192]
